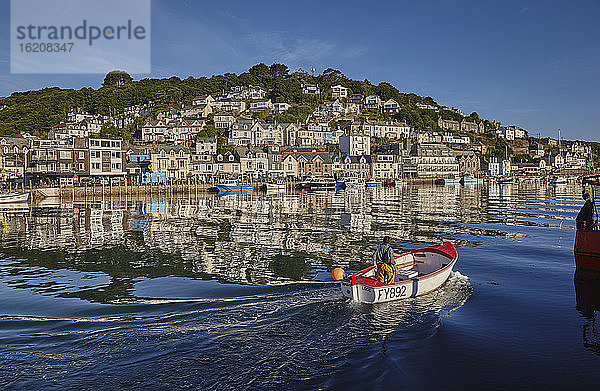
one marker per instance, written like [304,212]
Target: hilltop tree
[117,78]
[331,75]
[259,70]
[278,70]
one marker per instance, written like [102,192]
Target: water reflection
[587,292]
[99,251]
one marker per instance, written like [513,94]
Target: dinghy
[417,272]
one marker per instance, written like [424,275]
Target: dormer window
[231,158]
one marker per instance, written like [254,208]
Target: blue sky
[530,63]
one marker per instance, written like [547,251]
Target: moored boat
[233,185]
[278,186]
[373,183]
[322,183]
[468,180]
[418,272]
[587,242]
[505,179]
[14,198]
[554,181]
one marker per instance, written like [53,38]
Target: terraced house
[172,160]
[13,158]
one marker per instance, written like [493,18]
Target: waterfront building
[435,160]
[172,160]
[356,166]
[468,162]
[106,157]
[13,158]
[228,164]
[50,160]
[386,166]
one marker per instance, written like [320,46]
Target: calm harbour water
[235,292]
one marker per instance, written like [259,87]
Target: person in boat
[585,218]
[383,258]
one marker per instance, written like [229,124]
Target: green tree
[117,78]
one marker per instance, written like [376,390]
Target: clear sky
[531,63]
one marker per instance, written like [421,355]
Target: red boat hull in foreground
[587,250]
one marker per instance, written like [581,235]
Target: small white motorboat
[278,186]
[417,272]
[555,181]
[14,198]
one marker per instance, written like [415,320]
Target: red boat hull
[587,250]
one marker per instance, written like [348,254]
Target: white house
[338,91]
[391,106]
[355,144]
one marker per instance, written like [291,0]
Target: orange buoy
[337,274]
